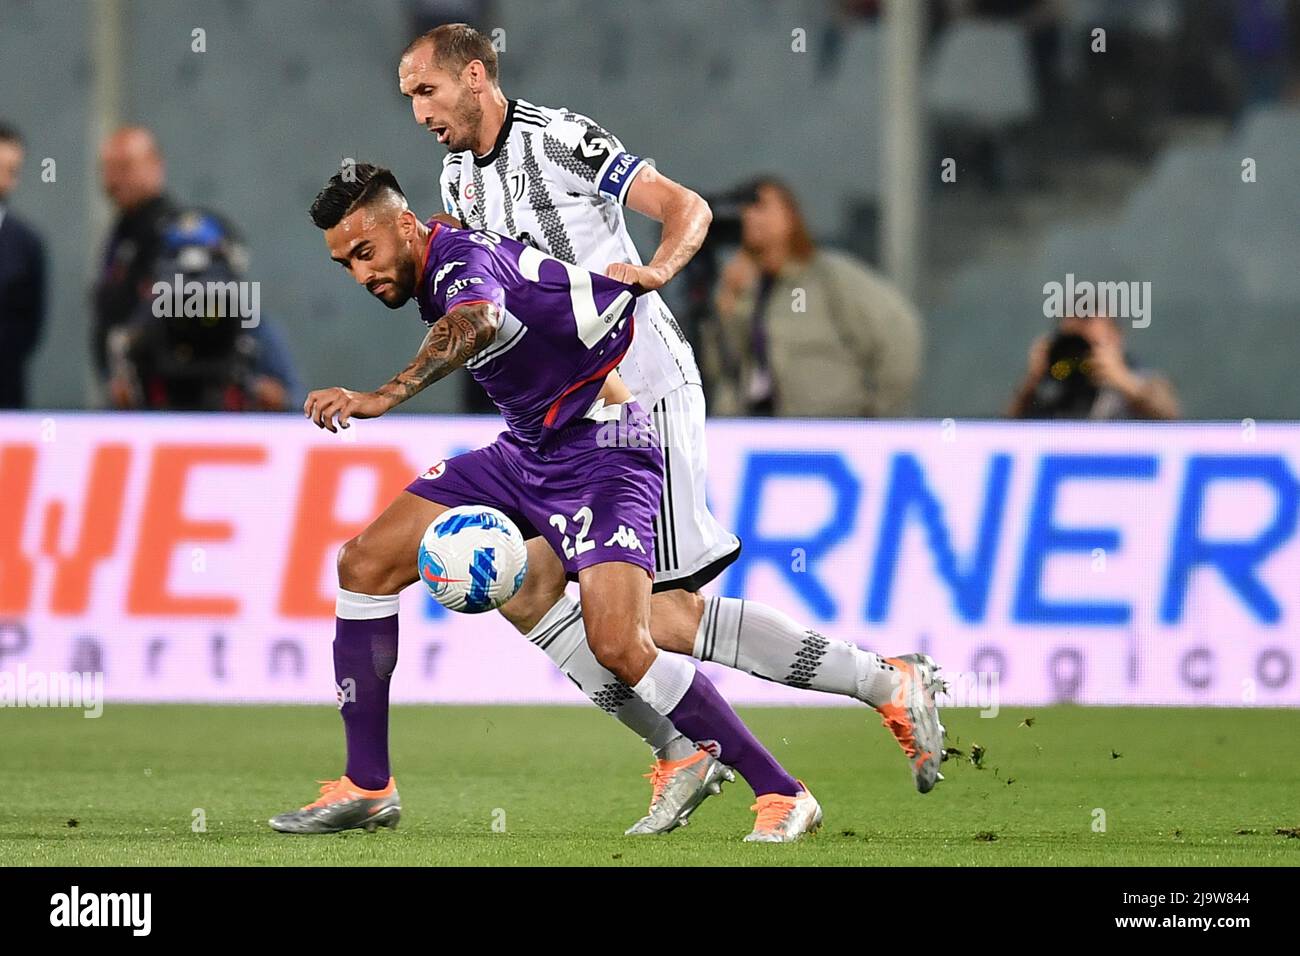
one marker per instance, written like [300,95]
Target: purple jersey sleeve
[467,274]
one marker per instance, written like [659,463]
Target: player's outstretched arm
[451,342]
[685,217]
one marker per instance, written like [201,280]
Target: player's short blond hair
[455,46]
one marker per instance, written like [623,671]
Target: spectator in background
[134,178]
[1082,371]
[22,280]
[804,331]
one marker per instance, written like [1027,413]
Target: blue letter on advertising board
[907,491]
[761,467]
[1045,538]
[1238,559]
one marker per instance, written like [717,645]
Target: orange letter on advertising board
[163,527]
[101,517]
[317,534]
[17,463]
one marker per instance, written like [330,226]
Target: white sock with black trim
[562,636]
[765,642]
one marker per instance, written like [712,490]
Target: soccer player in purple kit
[554,471]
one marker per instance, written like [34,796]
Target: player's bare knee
[624,651]
[363,570]
[610,651]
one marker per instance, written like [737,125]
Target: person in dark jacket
[22,280]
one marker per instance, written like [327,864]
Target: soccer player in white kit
[559,181]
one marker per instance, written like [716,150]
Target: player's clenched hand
[325,404]
[645,276]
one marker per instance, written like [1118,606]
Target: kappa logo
[435,471]
[625,537]
[442,274]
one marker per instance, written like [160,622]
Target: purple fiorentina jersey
[563,329]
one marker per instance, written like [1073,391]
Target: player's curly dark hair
[351,188]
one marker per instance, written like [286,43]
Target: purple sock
[365,653]
[702,714]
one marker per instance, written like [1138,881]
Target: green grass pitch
[534,785]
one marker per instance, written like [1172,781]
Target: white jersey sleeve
[586,159]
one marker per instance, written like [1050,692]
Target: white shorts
[691,546]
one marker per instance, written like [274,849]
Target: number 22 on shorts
[580,543]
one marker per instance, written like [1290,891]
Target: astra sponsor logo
[461,284]
[130,910]
[209,301]
[21,687]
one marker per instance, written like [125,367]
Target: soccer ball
[472,559]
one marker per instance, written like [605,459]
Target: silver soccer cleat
[784,819]
[344,806]
[679,787]
[912,716]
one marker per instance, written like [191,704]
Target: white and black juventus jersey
[558,181]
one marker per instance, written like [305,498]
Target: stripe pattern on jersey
[528,113]
[507,199]
[562,155]
[591,124]
[665,522]
[477,212]
[553,231]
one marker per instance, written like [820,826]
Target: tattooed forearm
[452,341]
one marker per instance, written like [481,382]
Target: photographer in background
[1082,371]
[142,248]
[804,331]
[194,362]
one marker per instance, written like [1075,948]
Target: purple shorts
[592,491]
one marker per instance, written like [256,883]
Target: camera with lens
[1066,389]
[183,357]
